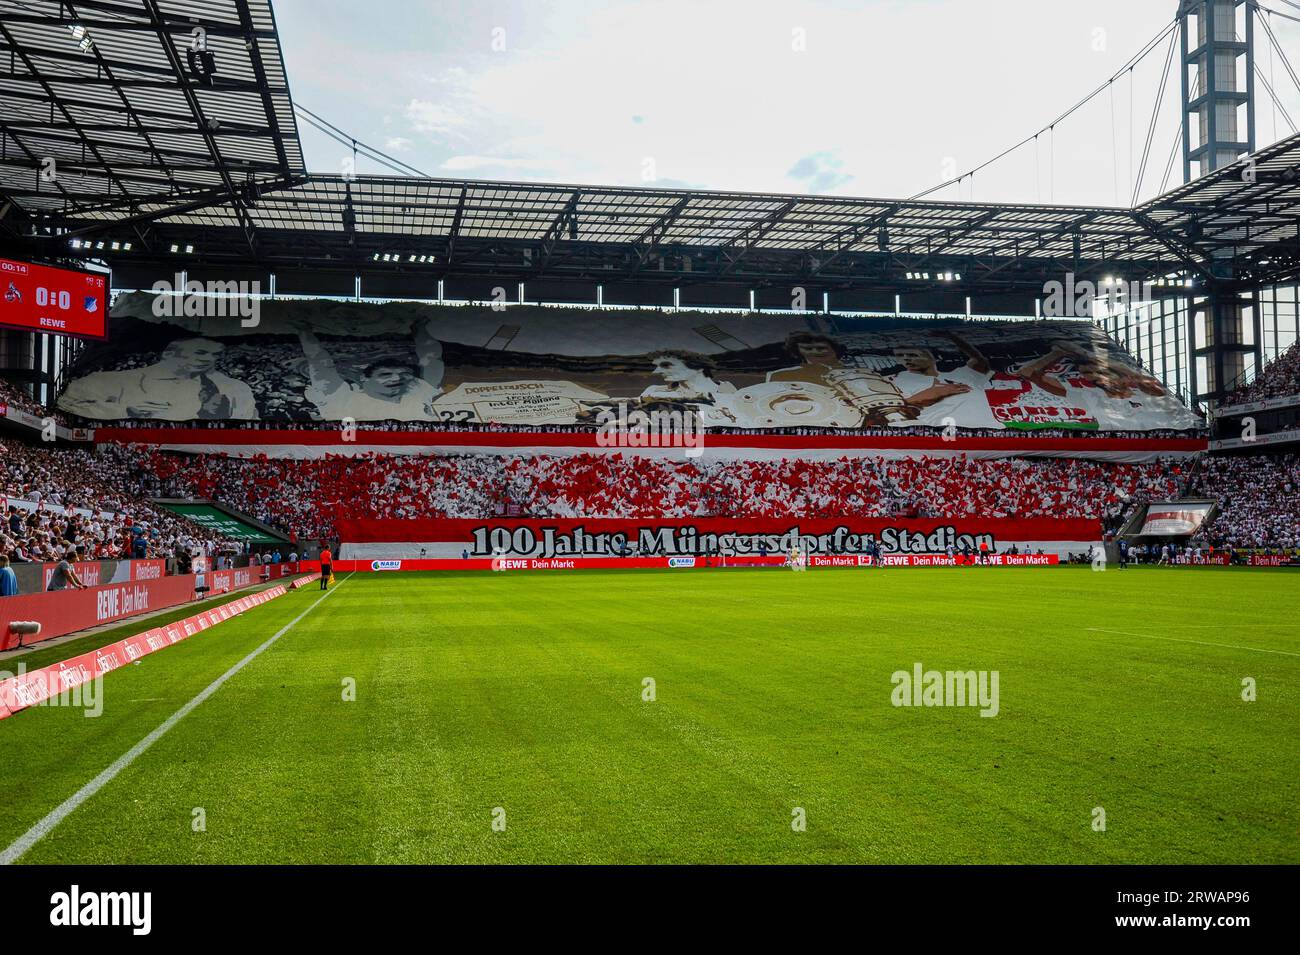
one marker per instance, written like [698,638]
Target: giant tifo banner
[354,362]
[369,540]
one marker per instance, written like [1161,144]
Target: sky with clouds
[880,98]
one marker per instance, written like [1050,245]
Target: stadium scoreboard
[43,298]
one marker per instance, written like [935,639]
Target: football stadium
[361,515]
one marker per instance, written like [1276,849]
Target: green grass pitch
[519,698]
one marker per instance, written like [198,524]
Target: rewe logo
[75,907]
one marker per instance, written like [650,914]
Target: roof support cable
[357,146]
[1155,115]
[1272,37]
[1133,61]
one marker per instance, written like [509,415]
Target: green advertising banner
[218,521]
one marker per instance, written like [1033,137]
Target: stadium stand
[88,501]
[12,395]
[1279,379]
[1259,500]
[307,495]
[1055,382]
[96,499]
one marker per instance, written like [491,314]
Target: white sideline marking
[60,812]
[1201,643]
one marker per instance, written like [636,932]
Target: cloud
[475,163]
[820,171]
[433,119]
[668,183]
[397,143]
[427,73]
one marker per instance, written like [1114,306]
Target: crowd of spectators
[307,496]
[13,396]
[89,503]
[96,501]
[1259,501]
[1279,379]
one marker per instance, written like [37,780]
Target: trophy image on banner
[822,391]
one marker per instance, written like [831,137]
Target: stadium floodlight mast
[1217,47]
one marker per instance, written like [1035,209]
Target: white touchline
[1199,643]
[60,812]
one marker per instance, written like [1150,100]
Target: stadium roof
[206,174]
[108,108]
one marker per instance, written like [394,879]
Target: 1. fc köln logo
[12,294]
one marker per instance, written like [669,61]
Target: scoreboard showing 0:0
[42,298]
[59,298]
